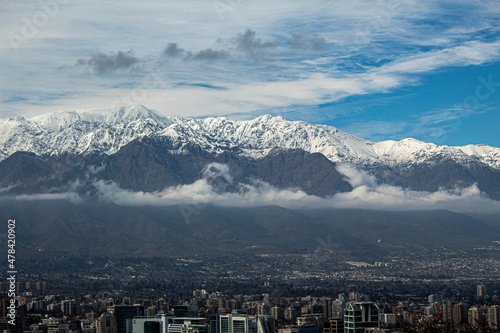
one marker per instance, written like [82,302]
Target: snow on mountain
[484,153]
[114,117]
[268,132]
[408,150]
[106,131]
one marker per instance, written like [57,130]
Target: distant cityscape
[266,293]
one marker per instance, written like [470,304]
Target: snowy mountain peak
[135,113]
[268,118]
[120,115]
[106,131]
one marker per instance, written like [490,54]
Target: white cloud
[357,178]
[386,197]
[366,194]
[71,196]
[470,53]
[310,89]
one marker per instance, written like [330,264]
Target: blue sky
[377,69]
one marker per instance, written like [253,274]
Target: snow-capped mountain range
[131,172]
[106,131]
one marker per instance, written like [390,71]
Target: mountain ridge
[141,150]
[106,131]
[120,183]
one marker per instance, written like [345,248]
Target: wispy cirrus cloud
[467,54]
[434,126]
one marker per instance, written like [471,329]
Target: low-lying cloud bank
[71,196]
[366,194]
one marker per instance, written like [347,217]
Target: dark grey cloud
[173,50]
[210,55]
[108,63]
[252,46]
[300,41]
[246,42]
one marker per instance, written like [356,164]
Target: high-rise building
[429,311]
[263,324]
[290,314]
[277,313]
[39,286]
[157,324]
[435,298]
[354,296]
[124,315]
[389,318]
[481,291]
[338,307]
[460,313]
[39,305]
[263,309]
[494,316]
[169,324]
[234,323]
[448,311]
[54,307]
[311,319]
[327,307]
[476,315]
[187,325]
[67,308]
[152,327]
[333,325]
[106,323]
[360,315]
[150,311]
